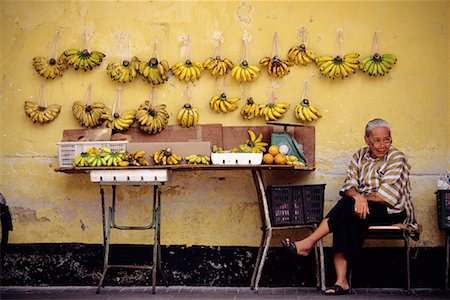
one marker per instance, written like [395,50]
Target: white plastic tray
[236,158]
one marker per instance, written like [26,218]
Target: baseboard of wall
[81,265]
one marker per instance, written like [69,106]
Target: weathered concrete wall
[217,207]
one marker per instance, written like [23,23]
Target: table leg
[102,193]
[258,258]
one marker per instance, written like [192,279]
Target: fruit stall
[232,100]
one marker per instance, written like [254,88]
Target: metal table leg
[111,224]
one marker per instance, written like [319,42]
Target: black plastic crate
[296,204]
[443,197]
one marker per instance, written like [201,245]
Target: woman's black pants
[349,231]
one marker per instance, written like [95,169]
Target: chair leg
[350,277]
[408,266]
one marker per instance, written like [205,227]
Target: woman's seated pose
[376,190]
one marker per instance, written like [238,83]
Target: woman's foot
[337,289]
[302,247]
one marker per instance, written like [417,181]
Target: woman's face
[379,141]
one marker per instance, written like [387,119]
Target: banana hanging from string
[304,111]
[155,71]
[218,67]
[87,115]
[41,114]
[250,110]
[378,64]
[83,59]
[125,71]
[152,119]
[273,111]
[338,67]
[187,70]
[300,55]
[276,66]
[223,104]
[188,116]
[244,72]
[49,68]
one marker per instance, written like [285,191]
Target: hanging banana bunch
[187,70]
[83,59]
[217,66]
[152,118]
[114,119]
[301,55]
[245,72]
[377,64]
[50,67]
[89,113]
[276,66]
[41,113]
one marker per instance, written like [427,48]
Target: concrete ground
[216,293]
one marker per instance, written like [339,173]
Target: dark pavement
[185,292]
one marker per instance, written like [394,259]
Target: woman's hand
[361,206]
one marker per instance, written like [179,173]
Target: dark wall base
[81,264]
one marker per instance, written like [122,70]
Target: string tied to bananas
[54,50]
[340,43]
[116,113]
[88,98]
[275,53]
[376,46]
[305,91]
[302,38]
[41,96]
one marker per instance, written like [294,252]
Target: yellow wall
[218,208]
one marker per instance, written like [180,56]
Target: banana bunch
[155,71]
[300,55]
[245,72]
[273,111]
[276,66]
[217,66]
[49,68]
[187,70]
[81,159]
[223,104]
[217,149]
[250,110]
[188,116]
[304,111]
[166,157]
[152,119]
[134,158]
[112,158]
[125,71]
[255,144]
[41,114]
[84,59]
[118,122]
[378,65]
[338,67]
[94,158]
[294,161]
[198,159]
[89,116]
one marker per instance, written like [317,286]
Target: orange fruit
[273,149]
[280,159]
[268,158]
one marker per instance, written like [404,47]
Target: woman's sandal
[290,247]
[337,291]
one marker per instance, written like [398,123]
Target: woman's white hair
[375,123]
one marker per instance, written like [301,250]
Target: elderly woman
[376,190]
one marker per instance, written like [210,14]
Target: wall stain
[26,215]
